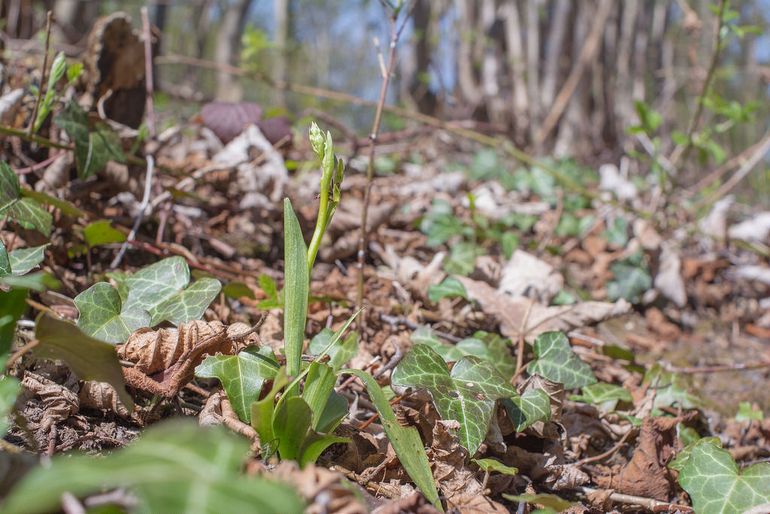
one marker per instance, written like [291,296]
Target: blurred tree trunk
[419,81]
[280,67]
[74,19]
[229,45]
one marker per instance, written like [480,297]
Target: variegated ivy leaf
[5,261]
[484,345]
[103,316]
[606,396]
[24,260]
[242,376]
[532,406]
[468,394]
[188,304]
[160,289]
[557,362]
[26,212]
[715,483]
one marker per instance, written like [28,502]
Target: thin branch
[148,79]
[387,73]
[681,152]
[139,215]
[49,19]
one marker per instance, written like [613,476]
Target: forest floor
[667,327]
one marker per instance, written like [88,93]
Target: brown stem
[49,19]
[683,152]
[148,79]
[386,74]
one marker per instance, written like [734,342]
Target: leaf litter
[505,359]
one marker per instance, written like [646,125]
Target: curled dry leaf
[153,351]
[101,396]
[59,403]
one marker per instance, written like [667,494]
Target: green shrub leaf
[102,232]
[450,287]
[88,358]
[716,485]
[532,406]
[26,212]
[468,394]
[606,395]
[340,352]
[557,362]
[94,146]
[175,466]
[102,315]
[405,440]
[242,376]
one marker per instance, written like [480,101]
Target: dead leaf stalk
[48,21]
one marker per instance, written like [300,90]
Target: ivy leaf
[160,290]
[405,440]
[715,484]
[24,260]
[102,314]
[88,358]
[440,224]
[94,146]
[670,390]
[5,261]
[748,412]
[26,212]
[484,345]
[242,375]
[468,394]
[175,466]
[532,406]
[187,305]
[102,232]
[450,287]
[631,282]
[557,362]
[605,395]
[462,258]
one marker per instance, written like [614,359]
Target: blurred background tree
[559,77]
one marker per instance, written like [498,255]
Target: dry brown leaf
[153,351]
[514,318]
[526,275]
[101,396]
[325,491]
[59,403]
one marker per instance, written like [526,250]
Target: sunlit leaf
[25,212]
[88,358]
[175,466]
[748,412]
[484,345]
[450,287]
[467,395]
[186,305]
[241,375]
[405,440]
[103,316]
[715,483]
[495,465]
[101,233]
[557,362]
[550,501]
[605,395]
[296,289]
[340,352]
[532,406]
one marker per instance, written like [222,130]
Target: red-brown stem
[395,32]
[148,72]
[49,19]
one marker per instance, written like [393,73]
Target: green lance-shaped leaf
[405,440]
[58,68]
[490,465]
[26,212]
[296,288]
[9,389]
[557,362]
[468,394]
[242,376]
[102,314]
[175,466]
[715,483]
[88,358]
